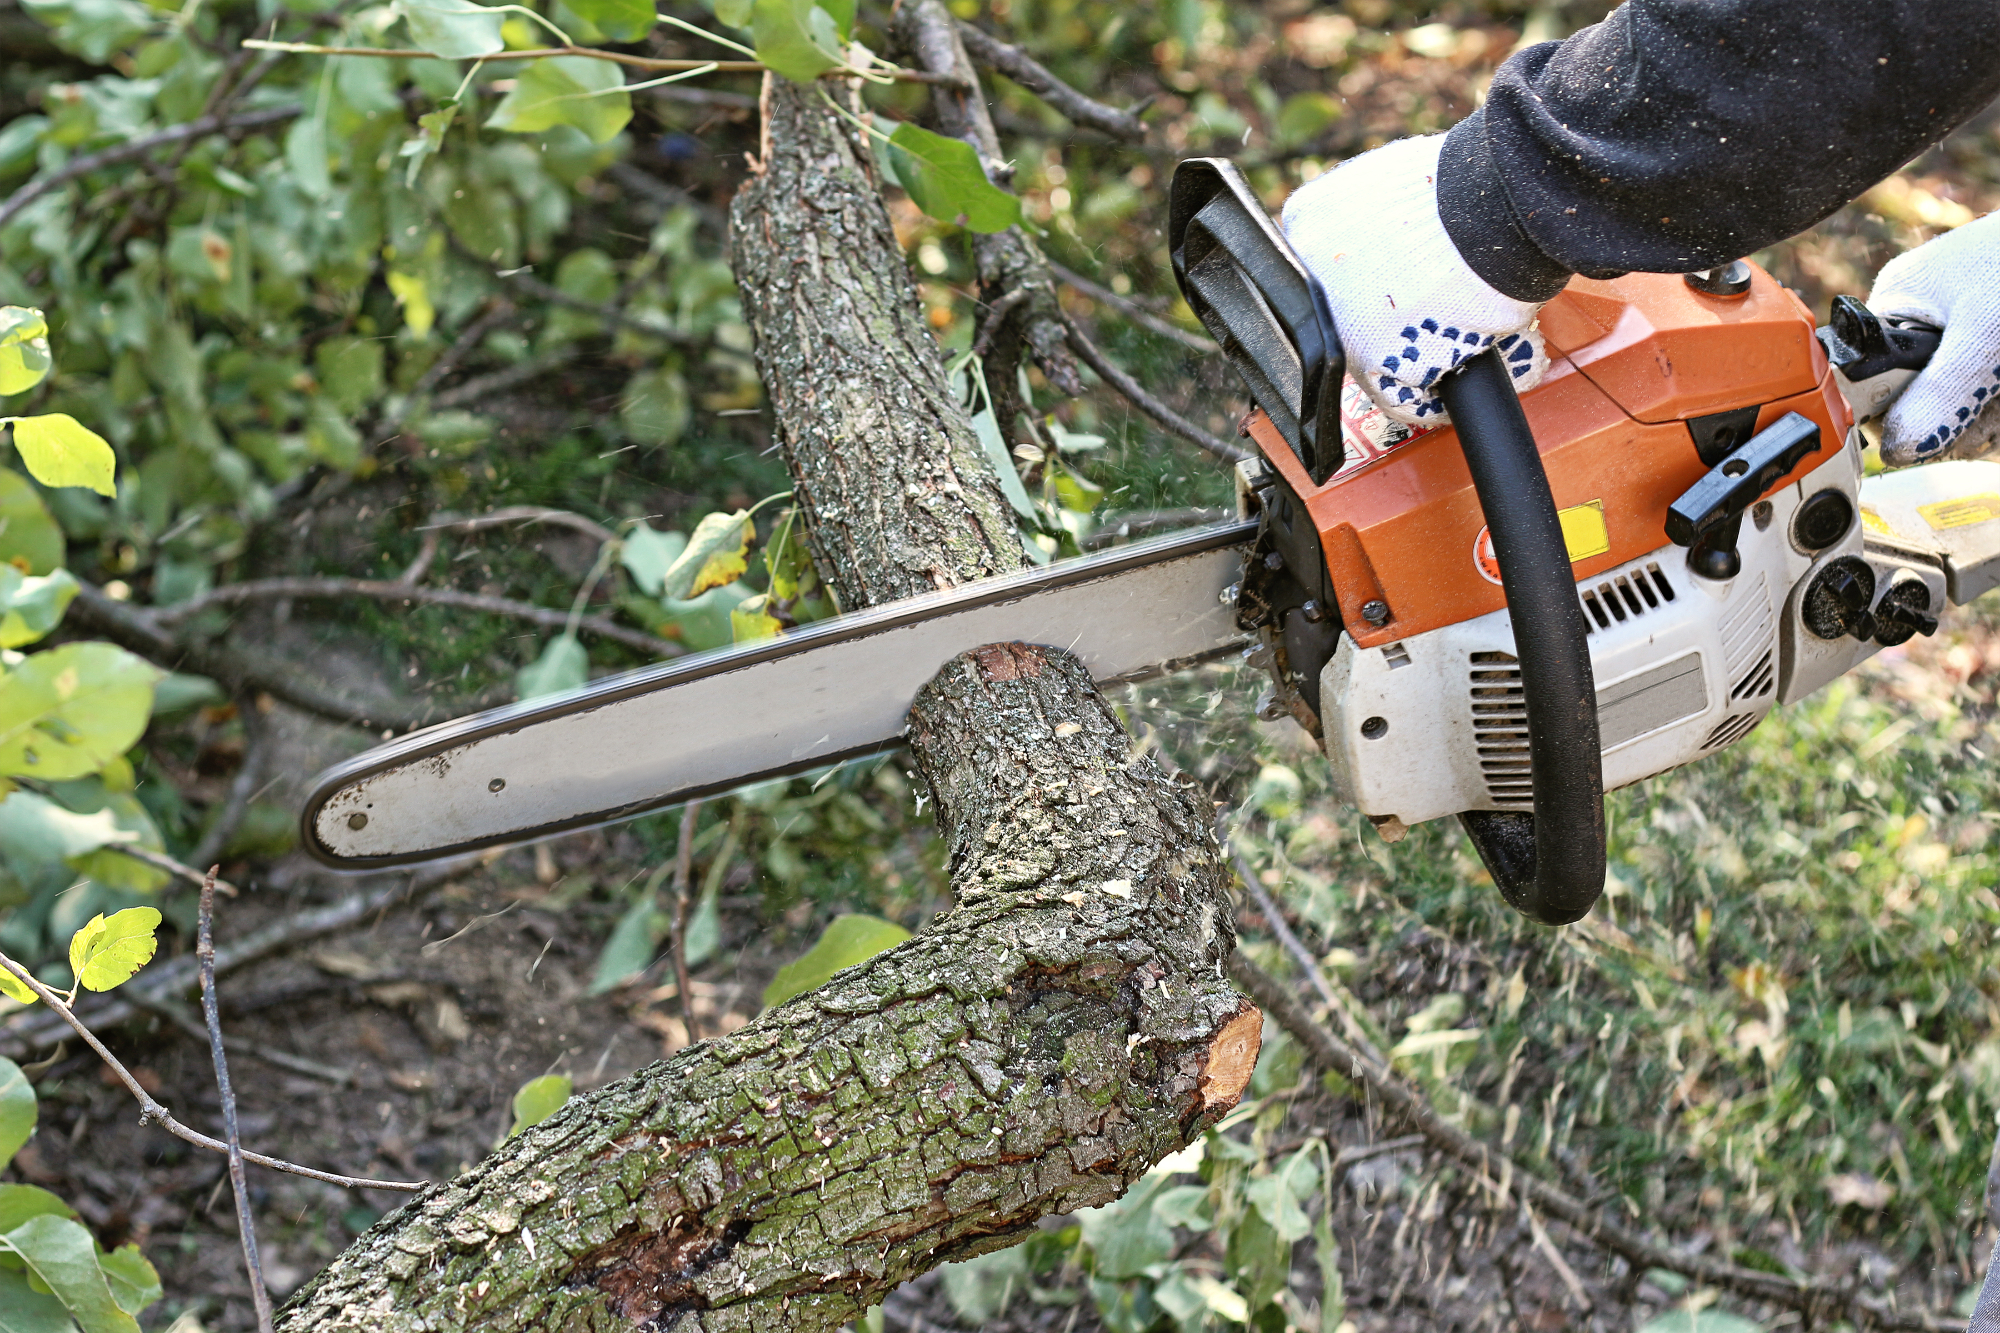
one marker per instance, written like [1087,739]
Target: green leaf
[795,38]
[717,553]
[1303,116]
[648,554]
[454,29]
[62,1255]
[1184,1206]
[134,828]
[1702,1321]
[24,349]
[563,665]
[28,532]
[1333,1296]
[566,90]
[15,989]
[634,943]
[306,155]
[704,928]
[654,408]
[620,20]
[734,13]
[944,178]
[18,1203]
[71,710]
[750,622]
[848,939]
[31,607]
[1259,1259]
[25,1310]
[350,371]
[59,450]
[108,951]
[1077,494]
[134,1282]
[1278,1195]
[1128,1237]
[432,126]
[980,1290]
[35,831]
[538,1099]
[17,1119]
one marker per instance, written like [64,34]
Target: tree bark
[1032,1052]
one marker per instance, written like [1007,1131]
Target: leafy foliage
[847,940]
[537,1100]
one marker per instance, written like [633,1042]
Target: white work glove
[1407,307]
[1953,283]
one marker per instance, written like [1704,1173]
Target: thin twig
[591,52]
[500,312]
[125,152]
[1817,1298]
[152,1110]
[610,314]
[520,514]
[1307,963]
[242,671]
[1025,70]
[1080,342]
[996,315]
[384,590]
[507,377]
[161,861]
[246,1225]
[683,873]
[1135,312]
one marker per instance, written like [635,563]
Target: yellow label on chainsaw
[1960,513]
[1874,522]
[1584,532]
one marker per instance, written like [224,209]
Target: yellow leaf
[14,988]
[108,951]
[749,621]
[716,553]
[61,451]
[411,294]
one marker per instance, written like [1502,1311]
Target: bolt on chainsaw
[1560,593]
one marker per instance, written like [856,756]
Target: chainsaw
[1562,592]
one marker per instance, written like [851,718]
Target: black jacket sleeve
[1681,134]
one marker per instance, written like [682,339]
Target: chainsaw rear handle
[1549,866]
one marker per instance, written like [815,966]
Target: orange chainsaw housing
[1631,361]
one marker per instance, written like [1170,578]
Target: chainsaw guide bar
[704,724]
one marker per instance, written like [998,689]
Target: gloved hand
[1952,282]
[1407,307]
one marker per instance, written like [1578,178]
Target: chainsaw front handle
[1549,866]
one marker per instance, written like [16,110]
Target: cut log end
[1008,661]
[1231,1058]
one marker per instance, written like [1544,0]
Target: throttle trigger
[1709,516]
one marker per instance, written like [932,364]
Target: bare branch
[1822,1298]
[161,861]
[485,386]
[1145,402]
[240,671]
[383,590]
[591,52]
[152,1110]
[136,148]
[1336,1004]
[1135,312]
[242,790]
[1025,70]
[246,1225]
[521,514]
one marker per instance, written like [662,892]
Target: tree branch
[1135,312]
[1025,70]
[1145,402]
[137,148]
[246,1225]
[241,673]
[1818,1299]
[384,590]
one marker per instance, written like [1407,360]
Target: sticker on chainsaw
[1366,432]
[1584,534]
[1960,513]
[1874,522]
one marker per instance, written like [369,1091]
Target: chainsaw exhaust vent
[1626,597]
[1731,730]
[1757,683]
[1500,730]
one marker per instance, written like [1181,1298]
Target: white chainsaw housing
[1685,666]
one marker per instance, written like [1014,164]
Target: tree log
[1034,1051]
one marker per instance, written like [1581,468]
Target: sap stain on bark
[650,1278]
